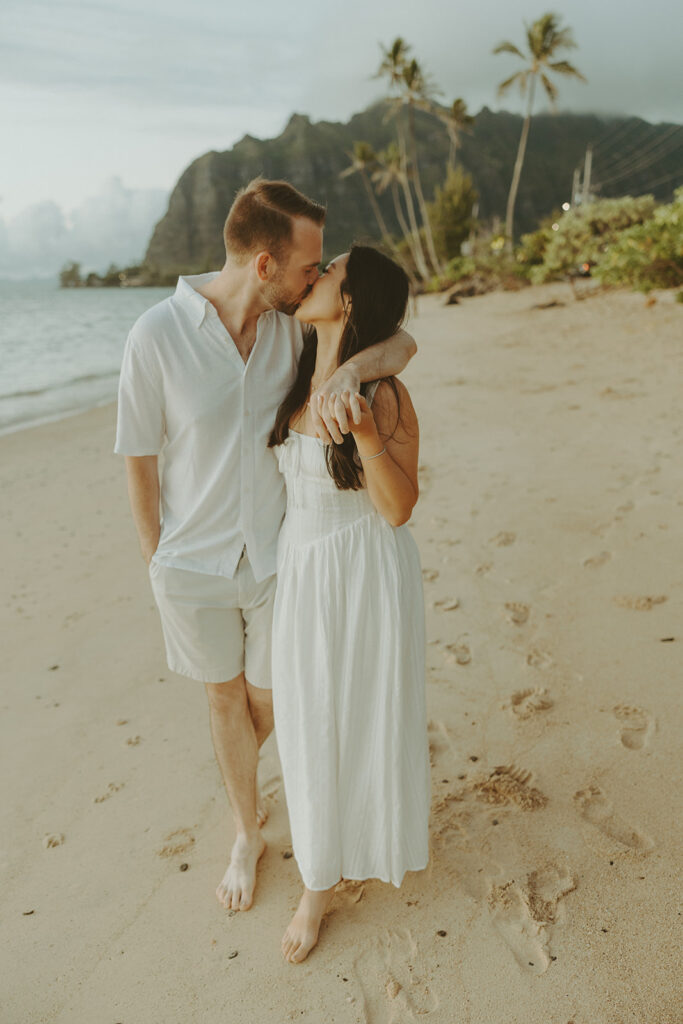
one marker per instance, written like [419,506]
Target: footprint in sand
[112,788]
[349,892]
[458,653]
[429,575]
[640,604]
[538,659]
[483,568]
[525,703]
[507,784]
[52,839]
[177,842]
[392,980]
[517,612]
[595,807]
[503,539]
[523,912]
[447,604]
[595,561]
[636,726]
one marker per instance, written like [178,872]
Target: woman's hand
[334,402]
[365,429]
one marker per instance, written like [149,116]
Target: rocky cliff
[312,155]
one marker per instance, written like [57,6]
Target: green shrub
[647,255]
[450,214]
[584,234]
[531,249]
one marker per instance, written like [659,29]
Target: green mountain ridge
[311,155]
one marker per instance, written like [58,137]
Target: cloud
[167,58]
[111,227]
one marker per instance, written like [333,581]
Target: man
[203,374]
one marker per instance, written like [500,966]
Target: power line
[618,130]
[628,158]
[656,153]
[666,177]
[633,147]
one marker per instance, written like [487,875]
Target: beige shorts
[214,628]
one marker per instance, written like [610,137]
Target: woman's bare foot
[302,934]
[236,891]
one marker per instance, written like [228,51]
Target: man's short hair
[260,218]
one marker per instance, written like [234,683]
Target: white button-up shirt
[186,392]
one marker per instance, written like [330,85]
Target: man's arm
[328,407]
[143,492]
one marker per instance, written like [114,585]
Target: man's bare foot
[302,934]
[236,891]
[261,811]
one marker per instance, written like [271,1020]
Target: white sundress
[348,680]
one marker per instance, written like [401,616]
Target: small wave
[87,379]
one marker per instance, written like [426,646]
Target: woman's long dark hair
[378,292]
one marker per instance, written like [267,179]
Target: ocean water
[61,349]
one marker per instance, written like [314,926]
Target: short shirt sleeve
[140,425]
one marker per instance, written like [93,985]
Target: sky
[103,104]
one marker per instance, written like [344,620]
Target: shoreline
[551,492]
[17,428]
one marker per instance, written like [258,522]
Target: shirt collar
[186,293]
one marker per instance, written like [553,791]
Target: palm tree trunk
[401,216]
[396,196]
[431,249]
[517,173]
[420,260]
[386,237]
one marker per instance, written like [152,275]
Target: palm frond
[564,39]
[394,58]
[362,158]
[563,67]
[550,89]
[519,76]
[545,37]
[508,48]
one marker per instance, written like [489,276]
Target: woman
[348,632]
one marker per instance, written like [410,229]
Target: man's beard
[282,301]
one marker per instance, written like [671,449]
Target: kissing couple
[271,455]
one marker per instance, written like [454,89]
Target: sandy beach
[551,534]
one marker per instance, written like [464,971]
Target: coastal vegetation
[482,201]
[70,276]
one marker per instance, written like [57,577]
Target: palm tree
[394,61]
[363,160]
[390,174]
[456,120]
[417,93]
[544,38]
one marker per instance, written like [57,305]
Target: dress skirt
[349,687]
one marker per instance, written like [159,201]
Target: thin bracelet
[369,458]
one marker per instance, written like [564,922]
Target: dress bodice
[315,505]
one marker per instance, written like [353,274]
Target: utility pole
[587,167]
[576,187]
